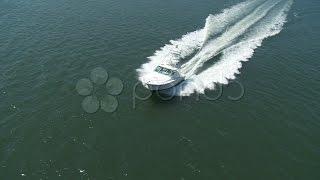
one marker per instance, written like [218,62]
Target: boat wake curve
[235,33]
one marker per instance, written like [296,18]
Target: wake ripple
[235,33]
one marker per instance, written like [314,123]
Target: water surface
[272,132]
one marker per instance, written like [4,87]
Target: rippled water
[46,47]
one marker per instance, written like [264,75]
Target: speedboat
[163,77]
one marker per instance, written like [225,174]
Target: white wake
[235,33]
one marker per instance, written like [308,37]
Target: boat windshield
[165,71]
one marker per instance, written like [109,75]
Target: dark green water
[272,132]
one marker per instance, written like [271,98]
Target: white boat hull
[156,87]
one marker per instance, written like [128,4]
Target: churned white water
[234,33]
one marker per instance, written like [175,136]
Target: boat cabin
[166,71]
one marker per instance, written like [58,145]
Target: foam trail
[236,33]
[218,44]
[233,56]
[216,24]
[181,48]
